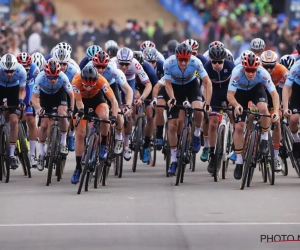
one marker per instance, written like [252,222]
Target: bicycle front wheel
[270,162]
[136,140]
[24,148]
[55,138]
[5,153]
[181,160]
[219,153]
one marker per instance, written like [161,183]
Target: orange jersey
[81,92]
[279,75]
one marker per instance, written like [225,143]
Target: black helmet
[172,44]
[183,50]
[112,50]
[89,75]
[217,52]
[138,55]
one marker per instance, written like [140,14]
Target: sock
[8,126]
[147,142]
[239,157]
[296,136]
[212,151]
[127,137]
[71,133]
[264,133]
[63,139]
[197,132]
[276,149]
[42,148]
[206,142]
[32,147]
[103,140]
[78,162]
[12,148]
[174,154]
[119,136]
[159,132]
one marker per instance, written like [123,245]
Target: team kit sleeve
[267,81]
[104,86]
[22,77]
[66,83]
[75,86]
[234,80]
[294,72]
[199,68]
[167,70]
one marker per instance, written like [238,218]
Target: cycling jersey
[75,65]
[19,77]
[81,92]
[42,83]
[239,80]
[147,67]
[294,75]
[279,75]
[202,58]
[84,62]
[160,56]
[134,68]
[70,71]
[173,73]
[159,69]
[238,61]
[32,73]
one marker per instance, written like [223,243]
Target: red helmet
[101,58]
[24,59]
[215,43]
[146,44]
[52,68]
[183,51]
[250,60]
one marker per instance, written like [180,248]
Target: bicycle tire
[262,168]
[181,159]
[250,176]
[167,150]
[270,159]
[54,144]
[228,150]
[193,162]
[24,149]
[219,153]
[58,167]
[105,175]
[137,140]
[98,174]
[153,147]
[283,159]
[87,157]
[248,163]
[20,156]
[119,165]
[5,149]
[89,177]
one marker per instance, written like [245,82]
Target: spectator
[35,39]
[175,34]
[112,31]
[90,37]
[157,36]
[53,38]
[13,43]
[70,36]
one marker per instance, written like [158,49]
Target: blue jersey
[220,79]
[159,69]
[294,75]
[239,80]
[202,58]
[19,77]
[32,73]
[147,67]
[71,71]
[237,61]
[42,83]
[173,73]
[84,62]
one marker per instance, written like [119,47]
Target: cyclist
[112,51]
[90,52]
[219,71]
[195,46]
[68,47]
[131,67]
[13,88]
[246,84]
[116,79]
[89,90]
[110,43]
[150,44]
[49,92]
[32,71]
[181,83]
[39,60]
[287,61]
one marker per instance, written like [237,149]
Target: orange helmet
[250,60]
[269,57]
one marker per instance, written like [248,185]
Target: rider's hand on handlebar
[275,117]
[172,102]
[287,112]
[80,113]
[40,112]
[238,110]
[207,108]
[127,111]
[138,102]
[153,103]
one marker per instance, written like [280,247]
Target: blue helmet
[92,50]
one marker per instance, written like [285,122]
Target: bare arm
[231,99]
[169,89]
[114,104]
[207,89]
[275,100]
[71,94]
[286,93]
[22,93]
[147,91]
[156,89]
[128,93]
[35,100]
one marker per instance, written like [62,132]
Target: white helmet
[257,44]
[246,52]
[229,55]
[39,60]
[8,62]
[64,46]
[125,55]
[110,43]
[61,56]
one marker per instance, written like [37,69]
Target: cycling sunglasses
[63,64]
[88,86]
[250,70]
[124,64]
[183,60]
[9,71]
[269,67]
[52,77]
[217,61]
[154,61]
[100,67]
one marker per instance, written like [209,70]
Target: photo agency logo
[273,238]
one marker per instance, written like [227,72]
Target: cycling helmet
[39,60]
[110,43]
[138,55]
[193,43]
[246,52]
[89,75]
[8,62]
[112,50]
[172,44]
[61,56]
[52,68]
[24,59]
[287,61]
[101,58]
[183,51]
[91,50]
[217,52]
[146,44]
[250,60]
[257,44]
[64,46]
[298,46]
[215,43]
[269,57]
[125,55]
[150,54]
[229,55]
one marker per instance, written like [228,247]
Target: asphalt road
[145,210]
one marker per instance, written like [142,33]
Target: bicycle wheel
[87,159]
[282,157]
[137,142]
[98,174]
[152,149]
[219,153]
[105,174]
[181,160]
[55,138]
[263,169]
[270,162]
[249,159]
[250,176]
[5,153]
[24,149]
[119,165]
[89,176]
[228,151]
[21,160]
[59,167]
[166,150]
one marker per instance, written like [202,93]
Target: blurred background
[82,23]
